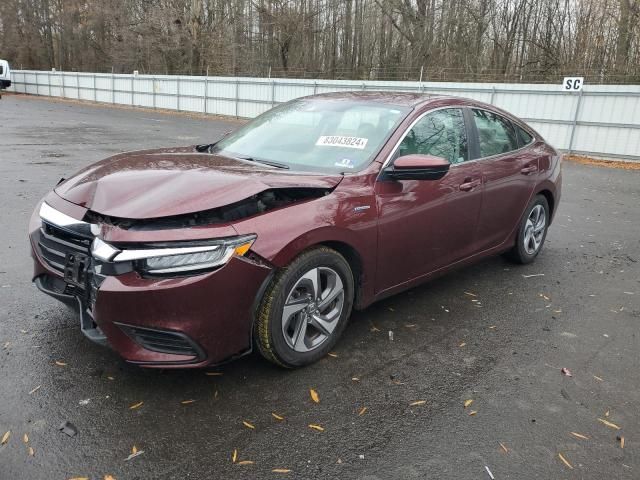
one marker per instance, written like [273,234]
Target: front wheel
[532,231]
[305,308]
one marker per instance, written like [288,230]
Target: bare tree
[481,40]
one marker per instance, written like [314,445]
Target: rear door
[509,173]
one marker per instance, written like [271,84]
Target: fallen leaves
[502,446]
[467,403]
[609,424]
[134,453]
[187,402]
[462,344]
[5,438]
[565,461]
[109,477]
[35,390]
[316,427]
[61,364]
[332,354]
[25,438]
[579,435]
[248,425]
[79,478]
[417,402]
[280,470]
[234,455]
[314,395]
[213,374]
[362,411]
[31,452]
[598,378]
[621,440]
[565,371]
[277,417]
[136,405]
[472,413]
[245,462]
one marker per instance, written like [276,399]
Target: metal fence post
[133,89]
[206,93]
[78,84]
[574,124]
[153,89]
[178,92]
[273,92]
[493,94]
[315,87]
[113,87]
[95,91]
[49,81]
[63,92]
[237,96]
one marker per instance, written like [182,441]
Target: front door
[425,225]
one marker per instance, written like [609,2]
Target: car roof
[404,99]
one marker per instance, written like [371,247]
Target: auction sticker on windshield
[340,141]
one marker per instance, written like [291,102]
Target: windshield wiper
[265,162]
[205,147]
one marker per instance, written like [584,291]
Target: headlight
[176,257]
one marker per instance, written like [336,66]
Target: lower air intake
[163,341]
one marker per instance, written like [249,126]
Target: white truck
[5,75]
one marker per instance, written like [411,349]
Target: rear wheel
[305,308]
[532,231]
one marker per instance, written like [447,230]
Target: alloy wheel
[312,309]
[534,229]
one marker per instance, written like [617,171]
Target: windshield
[317,135]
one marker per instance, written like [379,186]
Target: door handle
[469,184]
[529,169]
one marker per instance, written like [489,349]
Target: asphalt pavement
[495,334]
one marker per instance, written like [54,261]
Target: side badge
[361,208]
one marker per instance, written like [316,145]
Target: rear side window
[496,134]
[525,137]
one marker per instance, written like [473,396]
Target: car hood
[167,182]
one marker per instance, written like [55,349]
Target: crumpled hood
[175,181]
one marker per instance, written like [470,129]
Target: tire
[529,243]
[277,335]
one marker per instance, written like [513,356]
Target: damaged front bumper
[160,321]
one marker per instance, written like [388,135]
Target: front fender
[339,217]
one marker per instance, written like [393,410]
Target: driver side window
[441,133]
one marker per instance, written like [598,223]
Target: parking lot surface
[495,333]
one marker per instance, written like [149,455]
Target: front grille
[163,341]
[56,243]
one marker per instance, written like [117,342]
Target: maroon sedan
[185,257]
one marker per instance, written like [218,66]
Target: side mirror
[418,167]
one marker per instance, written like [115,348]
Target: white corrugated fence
[601,120]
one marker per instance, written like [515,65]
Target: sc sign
[572,84]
